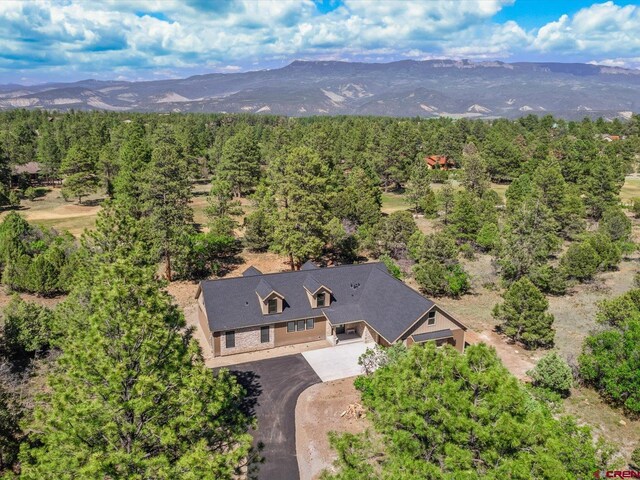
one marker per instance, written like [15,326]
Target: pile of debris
[354,410]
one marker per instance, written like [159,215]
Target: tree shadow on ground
[250,381]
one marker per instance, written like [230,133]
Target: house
[439,162]
[346,303]
[610,138]
[28,173]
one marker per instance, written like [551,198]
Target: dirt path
[513,357]
[317,413]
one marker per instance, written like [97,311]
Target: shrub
[392,234]
[635,458]
[428,203]
[14,198]
[549,279]
[615,224]
[467,251]
[553,373]
[437,279]
[611,364]
[488,237]
[438,176]
[635,207]
[524,315]
[581,261]
[393,268]
[608,251]
[208,254]
[439,247]
[31,193]
[26,327]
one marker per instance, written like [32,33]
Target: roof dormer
[270,300]
[319,294]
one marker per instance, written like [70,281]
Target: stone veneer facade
[247,340]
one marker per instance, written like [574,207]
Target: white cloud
[602,28]
[108,36]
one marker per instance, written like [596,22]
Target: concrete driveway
[334,363]
[273,386]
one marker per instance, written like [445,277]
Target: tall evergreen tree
[167,196]
[130,396]
[302,198]
[134,158]
[240,162]
[474,174]
[222,209]
[79,168]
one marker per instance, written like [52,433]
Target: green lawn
[393,202]
[630,189]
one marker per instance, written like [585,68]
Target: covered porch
[345,325]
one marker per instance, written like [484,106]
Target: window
[320,299]
[431,318]
[273,305]
[230,339]
[264,334]
[301,325]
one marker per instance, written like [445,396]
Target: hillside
[434,88]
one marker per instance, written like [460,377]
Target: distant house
[29,173]
[610,138]
[440,162]
[347,303]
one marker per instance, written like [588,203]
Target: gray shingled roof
[438,335]
[359,292]
[309,265]
[263,289]
[251,271]
[311,284]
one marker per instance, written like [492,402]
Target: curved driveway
[274,385]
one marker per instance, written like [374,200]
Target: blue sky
[66,40]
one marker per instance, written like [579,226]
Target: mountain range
[431,88]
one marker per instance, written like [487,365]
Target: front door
[339,329]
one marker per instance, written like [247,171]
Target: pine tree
[259,224]
[529,237]
[465,220]
[130,396]
[79,168]
[360,200]
[418,186]
[446,199]
[222,209]
[167,196]
[302,198]
[474,176]
[442,415]
[134,159]
[240,162]
[523,315]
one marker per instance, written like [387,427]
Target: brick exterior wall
[247,340]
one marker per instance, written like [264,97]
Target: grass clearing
[394,202]
[630,189]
